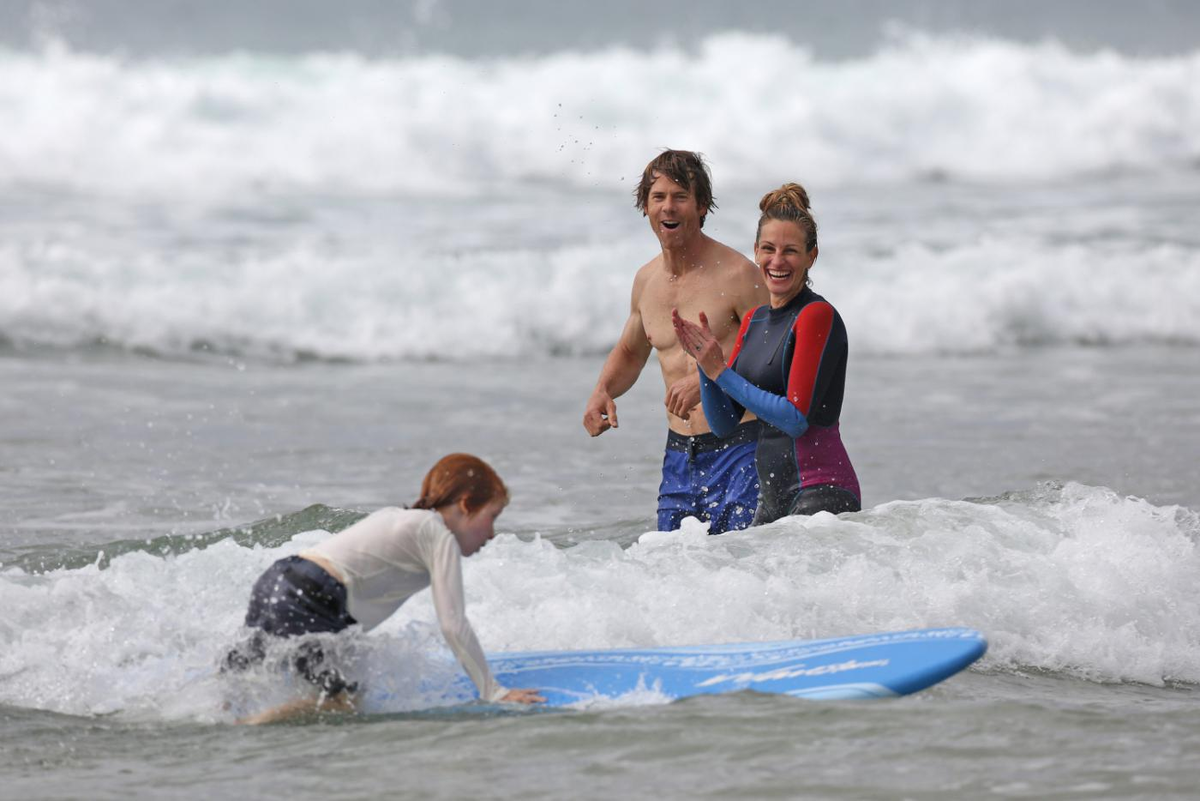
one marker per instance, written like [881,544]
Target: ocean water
[251,288]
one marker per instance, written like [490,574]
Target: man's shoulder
[730,259]
[649,268]
[732,272]
[647,273]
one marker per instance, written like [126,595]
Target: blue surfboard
[865,666]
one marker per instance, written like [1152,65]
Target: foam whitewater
[223,204]
[1072,580]
[343,123]
[301,303]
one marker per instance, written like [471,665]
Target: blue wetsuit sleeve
[774,409]
[722,413]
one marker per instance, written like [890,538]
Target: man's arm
[751,291]
[621,370]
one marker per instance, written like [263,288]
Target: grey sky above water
[832,30]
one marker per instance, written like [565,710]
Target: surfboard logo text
[789,673]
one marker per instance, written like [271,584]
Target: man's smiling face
[673,212]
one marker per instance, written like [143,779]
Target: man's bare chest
[690,298]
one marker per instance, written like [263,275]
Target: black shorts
[292,598]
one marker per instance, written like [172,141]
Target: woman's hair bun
[791,194]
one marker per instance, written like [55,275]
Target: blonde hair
[461,477]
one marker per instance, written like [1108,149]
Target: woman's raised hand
[700,343]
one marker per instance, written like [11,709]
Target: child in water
[362,575]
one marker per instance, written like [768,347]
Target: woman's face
[783,259]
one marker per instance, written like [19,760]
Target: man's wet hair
[684,168]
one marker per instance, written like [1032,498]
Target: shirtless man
[703,476]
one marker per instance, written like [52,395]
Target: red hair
[461,477]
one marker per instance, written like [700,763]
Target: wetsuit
[789,368]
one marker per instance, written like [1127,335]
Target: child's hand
[522,697]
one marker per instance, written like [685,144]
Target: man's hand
[683,396]
[600,414]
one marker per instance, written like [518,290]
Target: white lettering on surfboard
[790,673]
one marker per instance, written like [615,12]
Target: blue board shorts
[710,478]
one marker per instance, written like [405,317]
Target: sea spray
[1067,579]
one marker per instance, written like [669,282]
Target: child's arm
[445,576]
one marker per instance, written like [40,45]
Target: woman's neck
[779,301]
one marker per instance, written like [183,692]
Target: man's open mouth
[670,225]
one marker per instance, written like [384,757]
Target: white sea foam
[226,126]
[287,207]
[304,300]
[978,295]
[1075,580]
[1001,292]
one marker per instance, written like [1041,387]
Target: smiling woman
[788,366]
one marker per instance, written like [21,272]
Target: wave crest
[921,106]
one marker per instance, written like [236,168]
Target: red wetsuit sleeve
[812,328]
[737,346]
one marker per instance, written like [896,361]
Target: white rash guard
[392,554]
